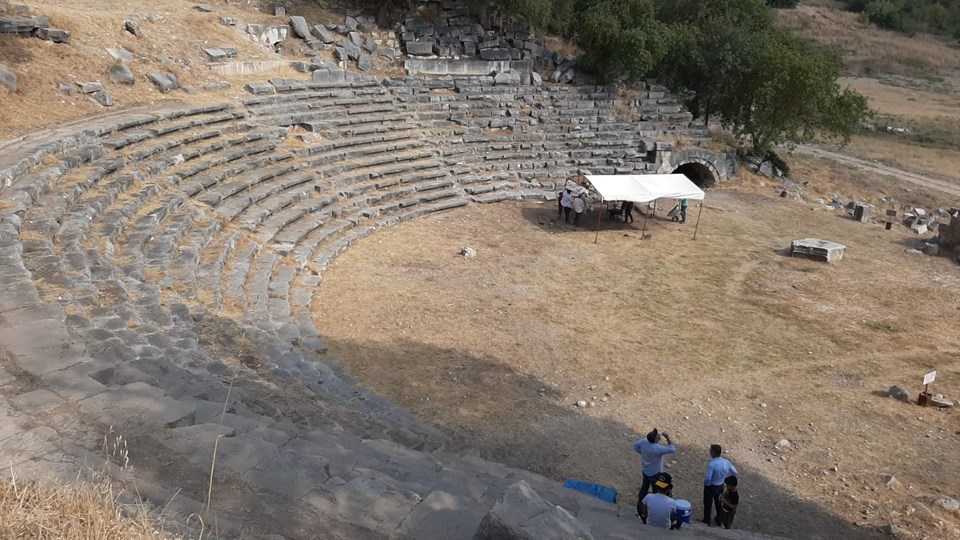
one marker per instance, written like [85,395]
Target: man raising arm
[651,452]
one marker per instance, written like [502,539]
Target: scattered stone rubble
[948,237]
[16,19]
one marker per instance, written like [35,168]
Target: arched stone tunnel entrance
[698,173]
[704,168]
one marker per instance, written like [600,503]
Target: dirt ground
[174,34]
[724,339]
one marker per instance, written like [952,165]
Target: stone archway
[702,167]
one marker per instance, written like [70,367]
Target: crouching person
[658,508]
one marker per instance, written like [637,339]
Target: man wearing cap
[658,509]
[651,453]
[718,469]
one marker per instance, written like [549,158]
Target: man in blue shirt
[651,453]
[718,469]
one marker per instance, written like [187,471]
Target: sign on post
[929,377]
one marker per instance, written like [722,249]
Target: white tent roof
[643,188]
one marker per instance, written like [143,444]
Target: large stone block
[300,27]
[259,89]
[321,33]
[365,62]
[814,248]
[55,35]
[89,87]
[17,25]
[220,53]
[419,48]
[121,74]
[103,98]
[522,514]
[495,54]
[507,77]
[7,79]
[165,81]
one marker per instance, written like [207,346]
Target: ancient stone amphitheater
[161,263]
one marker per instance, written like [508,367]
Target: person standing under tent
[628,211]
[683,210]
[579,206]
[566,202]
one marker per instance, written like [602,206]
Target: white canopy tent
[643,188]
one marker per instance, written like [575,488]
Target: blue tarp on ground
[603,493]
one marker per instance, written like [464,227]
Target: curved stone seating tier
[171,250]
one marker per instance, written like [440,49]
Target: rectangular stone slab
[815,248]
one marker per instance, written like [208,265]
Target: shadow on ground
[547,219]
[517,419]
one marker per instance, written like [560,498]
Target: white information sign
[929,377]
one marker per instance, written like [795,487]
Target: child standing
[729,500]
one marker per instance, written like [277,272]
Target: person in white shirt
[579,206]
[659,509]
[566,201]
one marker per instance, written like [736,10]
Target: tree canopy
[936,16]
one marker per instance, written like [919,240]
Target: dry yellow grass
[172,28]
[76,512]
[868,50]
[935,162]
[828,178]
[692,336]
[910,103]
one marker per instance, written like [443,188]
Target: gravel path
[938,184]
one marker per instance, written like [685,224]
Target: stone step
[164,126]
[348,142]
[237,272]
[180,139]
[212,266]
[224,151]
[335,92]
[197,184]
[229,187]
[248,212]
[186,263]
[340,153]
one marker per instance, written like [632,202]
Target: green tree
[623,39]
[793,95]
[713,47]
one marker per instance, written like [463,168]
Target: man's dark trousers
[711,496]
[644,489]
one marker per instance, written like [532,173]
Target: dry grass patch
[77,512]
[868,50]
[828,178]
[562,46]
[903,101]
[174,29]
[934,162]
[719,340]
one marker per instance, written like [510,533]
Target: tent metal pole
[643,229]
[599,213]
[697,226]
